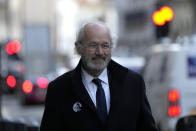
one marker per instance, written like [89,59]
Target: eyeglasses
[94,46]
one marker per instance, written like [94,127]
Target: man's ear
[78,47]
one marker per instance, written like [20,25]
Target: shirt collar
[103,76]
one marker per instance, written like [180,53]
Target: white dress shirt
[92,88]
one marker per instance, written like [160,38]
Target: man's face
[96,48]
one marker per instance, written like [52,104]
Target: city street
[41,40]
[12,109]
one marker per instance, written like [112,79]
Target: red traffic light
[13,47]
[165,14]
[11,81]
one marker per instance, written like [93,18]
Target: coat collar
[116,76]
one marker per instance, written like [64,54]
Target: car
[170,77]
[33,90]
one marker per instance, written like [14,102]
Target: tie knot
[97,81]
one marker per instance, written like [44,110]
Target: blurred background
[156,38]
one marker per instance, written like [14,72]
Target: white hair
[81,35]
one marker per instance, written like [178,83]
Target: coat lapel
[79,88]
[116,75]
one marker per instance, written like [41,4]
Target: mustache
[99,57]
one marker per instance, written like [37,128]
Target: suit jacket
[129,109]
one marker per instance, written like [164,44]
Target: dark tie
[100,100]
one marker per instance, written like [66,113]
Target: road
[12,109]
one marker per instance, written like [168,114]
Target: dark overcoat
[68,107]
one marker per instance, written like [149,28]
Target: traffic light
[15,67]
[11,81]
[13,47]
[161,18]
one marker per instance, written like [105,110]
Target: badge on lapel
[77,107]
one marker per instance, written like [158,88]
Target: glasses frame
[94,46]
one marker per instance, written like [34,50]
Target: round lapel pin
[77,107]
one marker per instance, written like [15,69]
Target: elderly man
[99,94]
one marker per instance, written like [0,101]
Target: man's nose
[99,50]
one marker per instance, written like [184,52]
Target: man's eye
[92,45]
[106,45]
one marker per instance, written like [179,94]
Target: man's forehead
[94,34]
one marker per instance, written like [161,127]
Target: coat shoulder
[134,74]
[62,79]
[124,70]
